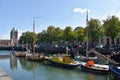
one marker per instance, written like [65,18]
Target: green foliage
[42,36]
[94,29]
[28,37]
[81,34]
[112,27]
[69,34]
[52,34]
[59,34]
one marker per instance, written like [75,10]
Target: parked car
[99,46]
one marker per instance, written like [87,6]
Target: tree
[50,36]
[28,37]
[112,27]
[59,34]
[69,34]
[81,34]
[94,30]
[42,36]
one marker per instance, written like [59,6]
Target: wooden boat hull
[94,70]
[62,65]
[115,72]
[36,59]
[20,54]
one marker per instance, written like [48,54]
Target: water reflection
[21,69]
[13,62]
[27,65]
[39,71]
[91,76]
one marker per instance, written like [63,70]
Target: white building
[106,40]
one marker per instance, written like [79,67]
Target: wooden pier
[4,75]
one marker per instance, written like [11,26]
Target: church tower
[14,37]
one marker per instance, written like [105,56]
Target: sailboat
[81,57]
[35,56]
[18,53]
[93,67]
[104,67]
[89,65]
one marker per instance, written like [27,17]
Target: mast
[33,36]
[34,33]
[87,34]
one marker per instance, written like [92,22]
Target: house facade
[106,40]
[13,39]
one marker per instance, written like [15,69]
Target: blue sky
[60,13]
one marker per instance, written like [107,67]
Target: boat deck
[98,65]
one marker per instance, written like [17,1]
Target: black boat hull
[115,72]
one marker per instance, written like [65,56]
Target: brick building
[13,39]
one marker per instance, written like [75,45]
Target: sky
[60,13]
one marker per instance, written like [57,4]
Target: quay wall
[11,48]
[4,75]
[63,50]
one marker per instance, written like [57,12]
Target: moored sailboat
[63,61]
[86,57]
[90,66]
[20,54]
[35,56]
[88,63]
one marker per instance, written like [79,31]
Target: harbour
[20,68]
[59,40]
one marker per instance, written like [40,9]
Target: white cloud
[80,10]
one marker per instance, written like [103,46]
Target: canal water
[21,69]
